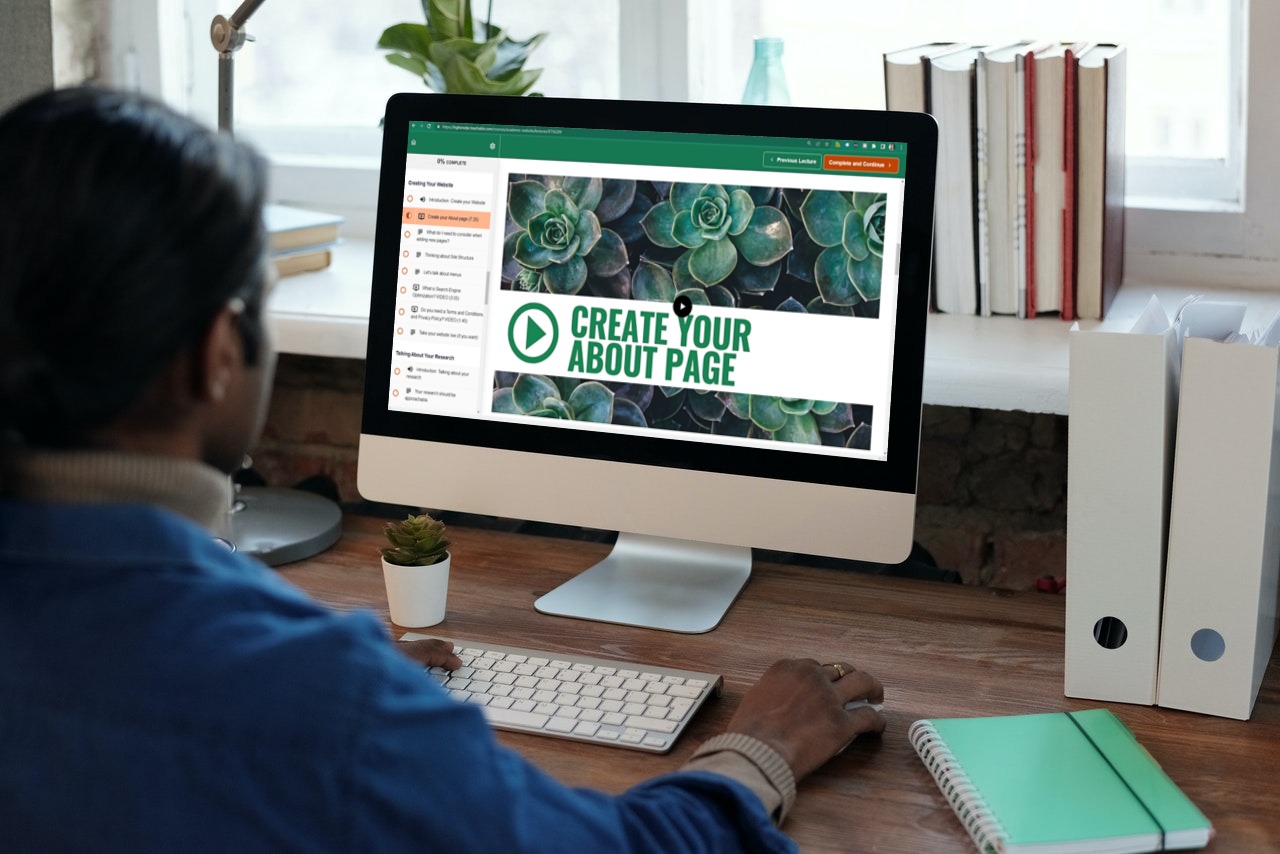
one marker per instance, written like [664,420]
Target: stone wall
[993,485]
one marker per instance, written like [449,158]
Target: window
[1203,183]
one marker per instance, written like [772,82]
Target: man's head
[132,270]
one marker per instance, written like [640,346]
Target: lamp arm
[228,36]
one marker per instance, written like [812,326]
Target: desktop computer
[700,325]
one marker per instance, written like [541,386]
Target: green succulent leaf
[860,439]
[837,420]
[795,405]
[530,253]
[659,225]
[834,284]
[566,278]
[862,201]
[823,214]
[609,255]
[588,232]
[504,402]
[757,280]
[616,198]
[558,202]
[525,200]
[686,231]
[824,407]
[706,405]
[722,297]
[854,240]
[592,401]
[710,216]
[793,305]
[530,390]
[801,429]
[684,195]
[697,296]
[712,262]
[873,224]
[556,408]
[766,239]
[865,275]
[682,277]
[585,192]
[628,413]
[653,283]
[741,206]
[738,404]
[767,413]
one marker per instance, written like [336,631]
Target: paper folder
[1123,396]
[1224,530]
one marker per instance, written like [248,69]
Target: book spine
[966,801]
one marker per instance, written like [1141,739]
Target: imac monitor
[702,326]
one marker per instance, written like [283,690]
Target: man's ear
[219,356]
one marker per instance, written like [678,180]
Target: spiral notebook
[1057,783]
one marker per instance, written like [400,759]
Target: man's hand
[431,653]
[798,709]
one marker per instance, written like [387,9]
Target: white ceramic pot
[416,594]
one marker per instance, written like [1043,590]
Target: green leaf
[616,198]
[559,203]
[697,296]
[684,195]
[824,407]
[862,202]
[592,402]
[588,232]
[795,405]
[653,283]
[411,64]
[861,438]
[585,192]
[511,54]
[740,209]
[866,276]
[531,254]
[751,279]
[659,225]
[504,402]
[801,429]
[531,390]
[766,239]
[525,200]
[410,39]
[738,404]
[711,263]
[627,413]
[719,295]
[837,420]
[706,405]
[449,19]
[686,232]
[567,278]
[766,412]
[681,276]
[823,213]
[855,238]
[832,274]
[609,257]
[557,408]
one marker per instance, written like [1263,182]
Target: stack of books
[1030,198]
[301,240]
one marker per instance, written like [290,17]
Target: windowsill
[987,363]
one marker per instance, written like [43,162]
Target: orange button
[446,218]
[855,163]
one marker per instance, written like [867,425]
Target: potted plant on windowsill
[415,568]
[453,53]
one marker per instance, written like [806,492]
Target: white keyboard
[618,703]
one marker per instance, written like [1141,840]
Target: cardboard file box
[1123,397]
[1219,623]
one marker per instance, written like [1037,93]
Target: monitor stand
[656,583]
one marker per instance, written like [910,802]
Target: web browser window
[735,290]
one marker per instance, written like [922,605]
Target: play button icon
[533,332]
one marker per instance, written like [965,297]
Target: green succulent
[539,396]
[445,53]
[717,226]
[850,228]
[556,239]
[416,541]
[784,419]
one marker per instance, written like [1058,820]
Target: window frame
[1227,243]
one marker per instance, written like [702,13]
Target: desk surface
[941,651]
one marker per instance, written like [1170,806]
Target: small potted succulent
[415,567]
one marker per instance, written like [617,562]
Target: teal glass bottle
[767,84]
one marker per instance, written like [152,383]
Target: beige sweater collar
[189,488]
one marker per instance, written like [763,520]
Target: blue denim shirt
[159,693]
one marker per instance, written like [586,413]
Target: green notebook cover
[1057,782]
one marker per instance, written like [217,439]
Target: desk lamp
[275,525]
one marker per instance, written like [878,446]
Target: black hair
[125,228]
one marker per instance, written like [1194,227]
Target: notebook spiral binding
[965,800]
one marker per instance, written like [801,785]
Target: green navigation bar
[697,151]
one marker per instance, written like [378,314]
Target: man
[158,692]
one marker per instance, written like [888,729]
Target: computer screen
[699,325]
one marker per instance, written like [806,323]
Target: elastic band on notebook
[1116,770]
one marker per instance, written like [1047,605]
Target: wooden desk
[941,650]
